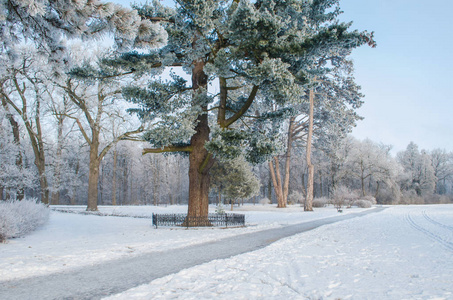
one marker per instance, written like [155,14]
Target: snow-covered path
[405,252]
[93,282]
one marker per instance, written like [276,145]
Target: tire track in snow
[432,235]
[427,217]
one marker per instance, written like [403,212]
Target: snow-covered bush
[411,197]
[17,218]
[369,198]
[295,197]
[343,196]
[265,201]
[320,202]
[362,203]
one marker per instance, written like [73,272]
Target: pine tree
[261,53]
[235,180]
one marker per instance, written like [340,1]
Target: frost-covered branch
[168,149]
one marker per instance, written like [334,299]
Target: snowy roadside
[403,252]
[76,240]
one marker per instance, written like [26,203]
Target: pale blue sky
[408,79]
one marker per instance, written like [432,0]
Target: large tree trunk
[200,161]
[199,165]
[311,169]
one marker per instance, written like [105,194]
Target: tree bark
[124,182]
[320,184]
[93,175]
[55,198]
[311,169]
[275,175]
[377,189]
[269,186]
[288,160]
[198,175]
[74,189]
[362,178]
[115,162]
[200,161]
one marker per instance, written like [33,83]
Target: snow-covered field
[404,252]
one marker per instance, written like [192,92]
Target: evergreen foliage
[234,179]
[263,52]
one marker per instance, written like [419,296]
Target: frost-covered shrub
[295,197]
[369,198]
[410,197]
[320,202]
[265,201]
[17,218]
[362,203]
[343,196]
[437,199]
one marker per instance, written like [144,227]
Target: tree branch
[117,139]
[168,149]
[244,108]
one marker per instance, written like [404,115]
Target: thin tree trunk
[74,189]
[275,175]
[320,184]
[124,182]
[288,161]
[362,179]
[93,175]
[115,162]
[55,198]
[377,189]
[304,188]
[269,186]
[19,159]
[132,190]
[311,169]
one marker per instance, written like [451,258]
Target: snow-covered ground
[74,240]
[404,252]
